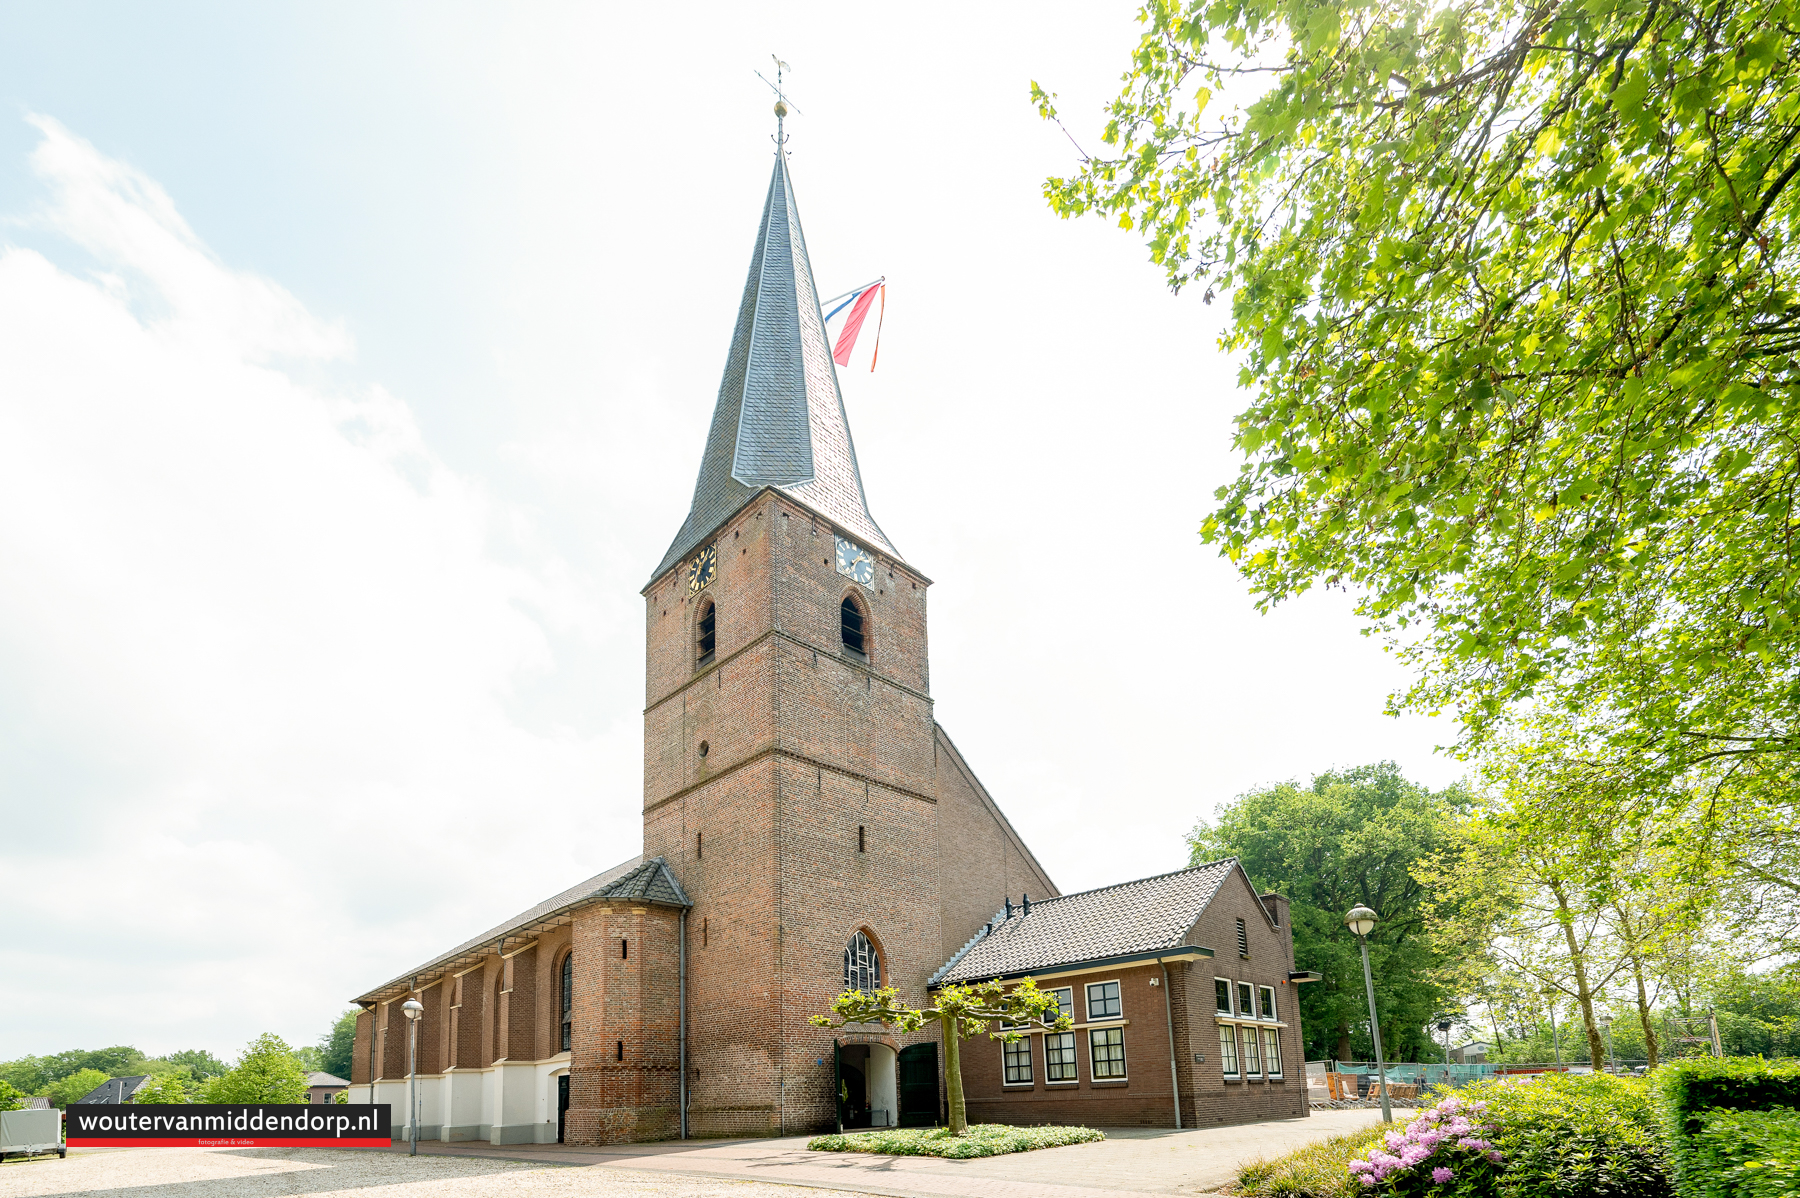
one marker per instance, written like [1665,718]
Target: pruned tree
[963,1011]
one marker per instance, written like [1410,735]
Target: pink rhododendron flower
[1441,1174]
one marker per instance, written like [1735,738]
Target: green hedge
[1591,1135]
[1697,1091]
[1747,1154]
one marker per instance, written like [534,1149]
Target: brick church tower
[791,762]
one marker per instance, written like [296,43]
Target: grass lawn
[983,1139]
[1315,1171]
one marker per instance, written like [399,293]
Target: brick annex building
[807,826]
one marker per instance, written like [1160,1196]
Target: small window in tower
[855,638]
[708,627]
[861,844]
[699,846]
[1243,941]
[619,1053]
[624,949]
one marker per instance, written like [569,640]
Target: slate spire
[779,420]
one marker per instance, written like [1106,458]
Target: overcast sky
[355,361]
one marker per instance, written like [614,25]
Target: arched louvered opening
[567,1000]
[854,627]
[706,633]
[862,965]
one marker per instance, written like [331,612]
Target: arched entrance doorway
[868,1090]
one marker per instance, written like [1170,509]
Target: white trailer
[27,1133]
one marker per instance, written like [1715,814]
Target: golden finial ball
[780,109]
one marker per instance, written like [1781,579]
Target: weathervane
[782,103]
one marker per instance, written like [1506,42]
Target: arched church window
[707,632]
[862,965]
[854,628]
[568,999]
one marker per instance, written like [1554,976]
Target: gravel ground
[316,1172]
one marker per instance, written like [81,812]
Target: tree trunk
[1343,1038]
[1643,1004]
[959,1111]
[1578,963]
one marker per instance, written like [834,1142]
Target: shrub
[982,1139]
[1693,1089]
[1578,1134]
[1747,1154]
[1318,1170]
[1447,1150]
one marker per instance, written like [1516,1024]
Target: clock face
[854,562]
[702,569]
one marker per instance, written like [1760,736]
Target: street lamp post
[1555,1036]
[1361,920]
[412,1010]
[1612,1059]
[1444,1027]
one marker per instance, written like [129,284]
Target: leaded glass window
[1059,1056]
[568,999]
[1106,1046]
[862,965]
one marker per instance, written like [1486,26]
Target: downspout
[682,1050]
[1169,1010]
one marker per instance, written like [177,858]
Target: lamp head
[1443,1025]
[411,1008]
[1360,920]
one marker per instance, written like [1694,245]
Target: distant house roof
[324,1079]
[1125,920]
[114,1092]
[633,881]
[38,1103]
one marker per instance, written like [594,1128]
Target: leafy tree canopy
[79,1084]
[200,1064]
[10,1098]
[1350,836]
[163,1088]
[1513,283]
[338,1048]
[267,1072]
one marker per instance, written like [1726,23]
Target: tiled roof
[113,1092]
[324,1079]
[579,892]
[1114,921]
[779,420]
[651,882]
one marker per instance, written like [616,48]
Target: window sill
[1075,1082]
[1105,1083]
[1018,1085]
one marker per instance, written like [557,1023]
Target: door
[837,1082]
[918,1085]
[562,1106]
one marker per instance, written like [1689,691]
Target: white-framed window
[1228,1058]
[1222,995]
[1059,1057]
[1252,1061]
[1272,1051]
[1065,1001]
[1015,1058]
[1103,1001]
[1246,1000]
[1106,1053]
[1267,995]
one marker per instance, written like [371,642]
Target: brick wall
[624,1074]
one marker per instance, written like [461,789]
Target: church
[808,827]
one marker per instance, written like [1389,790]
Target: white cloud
[261,650]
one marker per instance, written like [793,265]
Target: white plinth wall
[509,1102]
